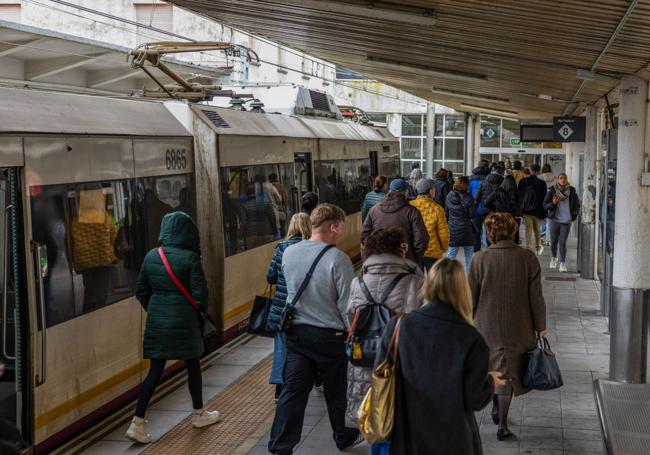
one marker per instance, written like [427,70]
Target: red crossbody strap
[178,284]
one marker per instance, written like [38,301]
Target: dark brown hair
[462,184]
[546,168]
[383,241]
[380,181]
[442,173]
[500,226]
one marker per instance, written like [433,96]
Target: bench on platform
[624,411]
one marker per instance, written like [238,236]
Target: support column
[430,165]
[588,198]
[630,310]
[470,162]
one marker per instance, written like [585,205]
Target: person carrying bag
[176,325]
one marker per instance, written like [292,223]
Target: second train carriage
[84,184]
[259,167]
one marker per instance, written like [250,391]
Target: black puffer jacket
[487,187]
[460,210]
[505,200]
[442,190]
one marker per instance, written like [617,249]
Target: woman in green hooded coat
[173,331]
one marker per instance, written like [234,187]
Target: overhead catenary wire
[161,31]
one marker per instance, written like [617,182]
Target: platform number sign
[569,129]
[175,159]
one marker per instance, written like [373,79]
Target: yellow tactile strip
[246,407]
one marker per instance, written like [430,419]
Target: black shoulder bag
[289,308]
[368,325]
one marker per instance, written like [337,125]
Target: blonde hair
[326,214]
[446,283]
[299,225]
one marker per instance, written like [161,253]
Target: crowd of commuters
[463,330]
[413,228]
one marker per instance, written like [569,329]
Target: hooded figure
[394,211]
[172,330]
[487,187]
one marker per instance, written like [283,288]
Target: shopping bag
[376,415]
[542,371]
[259,316]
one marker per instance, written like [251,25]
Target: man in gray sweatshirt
[315,339]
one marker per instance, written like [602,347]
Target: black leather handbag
[289,308]
[368,325]
[542,372]
[260,314]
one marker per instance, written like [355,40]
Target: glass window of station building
[448,145]
[500,141]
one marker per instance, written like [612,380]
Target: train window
[161,195]
[344,183]
[256,204]
[86,231]
[389,167]
[96,235]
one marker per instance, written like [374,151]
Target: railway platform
[557,422]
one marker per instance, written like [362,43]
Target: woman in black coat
[460,209]
[442,370]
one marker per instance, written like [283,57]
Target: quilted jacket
[379,271]
[436,222]
[274,276]
[172,331]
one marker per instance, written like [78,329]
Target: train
[84,184]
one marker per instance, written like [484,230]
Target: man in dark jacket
[394,211]
[479,174]
[489,186]
[533,192]
[441,182]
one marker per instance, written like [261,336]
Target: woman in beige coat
[509,308]
[384,258]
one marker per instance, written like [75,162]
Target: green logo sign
[515,141]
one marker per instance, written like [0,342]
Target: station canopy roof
[515,57]
[38,58]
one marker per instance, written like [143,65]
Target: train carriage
[84,184]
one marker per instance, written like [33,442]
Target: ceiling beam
[42,68]
[12,48]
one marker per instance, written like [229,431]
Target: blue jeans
[380,449]
[452,252]
[279,359]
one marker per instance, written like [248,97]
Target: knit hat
[423,186]
[398,185]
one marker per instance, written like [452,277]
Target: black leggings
[153,378]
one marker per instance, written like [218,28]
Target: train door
[302,172]
[13,352]
[87,349]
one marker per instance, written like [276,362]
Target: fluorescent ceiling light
[426,70]
[587,75]
[471,96]
[371,10]
[489,110]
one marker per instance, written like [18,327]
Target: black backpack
[368,325]
[531,203]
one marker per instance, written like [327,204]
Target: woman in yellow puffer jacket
[434,219]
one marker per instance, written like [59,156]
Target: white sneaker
[540,250]
[136,432]
[553,263]
[563,267]
[204,418]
